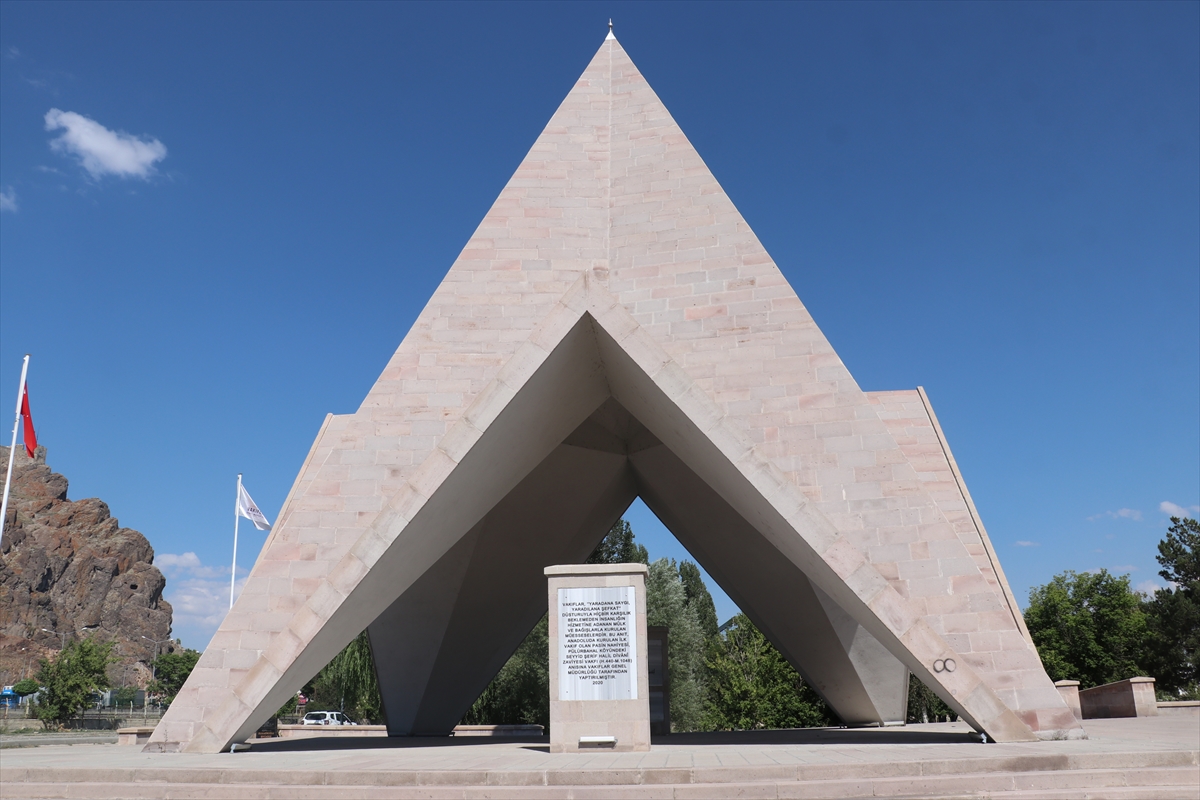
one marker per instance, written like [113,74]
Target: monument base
[599,686]
[616,725]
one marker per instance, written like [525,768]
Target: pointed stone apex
[610,33]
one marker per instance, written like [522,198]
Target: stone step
[1143,783]
[232,769]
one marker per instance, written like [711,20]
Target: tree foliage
[520,693]
[1179,554]
[124,696]
[348,683]
[70,680]
[667,605]
[752,686]
[699,598]
[1095,629]
[1173,655]
[25,687]
[171,670]
[925,706]
[1088,627]
[618,547]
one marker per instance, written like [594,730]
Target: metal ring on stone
[939,665]
[949,664]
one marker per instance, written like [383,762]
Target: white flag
[247,509]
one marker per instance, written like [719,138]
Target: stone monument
[614,329]
[599,687]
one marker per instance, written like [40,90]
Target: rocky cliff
[69,567]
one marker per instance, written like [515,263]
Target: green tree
[618,547]
[124,696]
[170,672]
[667,605]
[1173,655]
[752,686]
[520,692]
[348,683]
[25,687]
[1179,554]
[1088,627]
[69,680]
[699,598]
[924,705]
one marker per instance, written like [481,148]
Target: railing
[23,711]
[93,718]
[127,711]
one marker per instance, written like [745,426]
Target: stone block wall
[1132,697]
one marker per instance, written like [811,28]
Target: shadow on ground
[834,736]
[912,735]
[344,742]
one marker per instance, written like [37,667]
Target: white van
[326,718]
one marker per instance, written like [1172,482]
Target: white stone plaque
[597,643]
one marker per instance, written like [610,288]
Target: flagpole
[12,450]
[236,517]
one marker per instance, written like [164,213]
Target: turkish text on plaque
[597,643]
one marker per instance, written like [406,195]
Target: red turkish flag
[30,436]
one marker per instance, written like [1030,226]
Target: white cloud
[198,594]
[1124,569]
[1149,586]
[199,603]
[1172,510]
[180,564]
[1024,543]
[13,53]
[1120,513]
[180,561]
[8,199]
[102,151]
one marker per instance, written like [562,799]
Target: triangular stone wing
[909,417]
[613,328]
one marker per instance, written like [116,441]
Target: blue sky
[219,220]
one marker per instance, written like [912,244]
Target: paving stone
[1155,757]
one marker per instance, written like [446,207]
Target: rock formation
[68,566]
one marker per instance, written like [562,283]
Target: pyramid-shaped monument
[614,329]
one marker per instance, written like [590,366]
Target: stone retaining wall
[1133,697]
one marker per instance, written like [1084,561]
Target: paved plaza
[1156,757]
